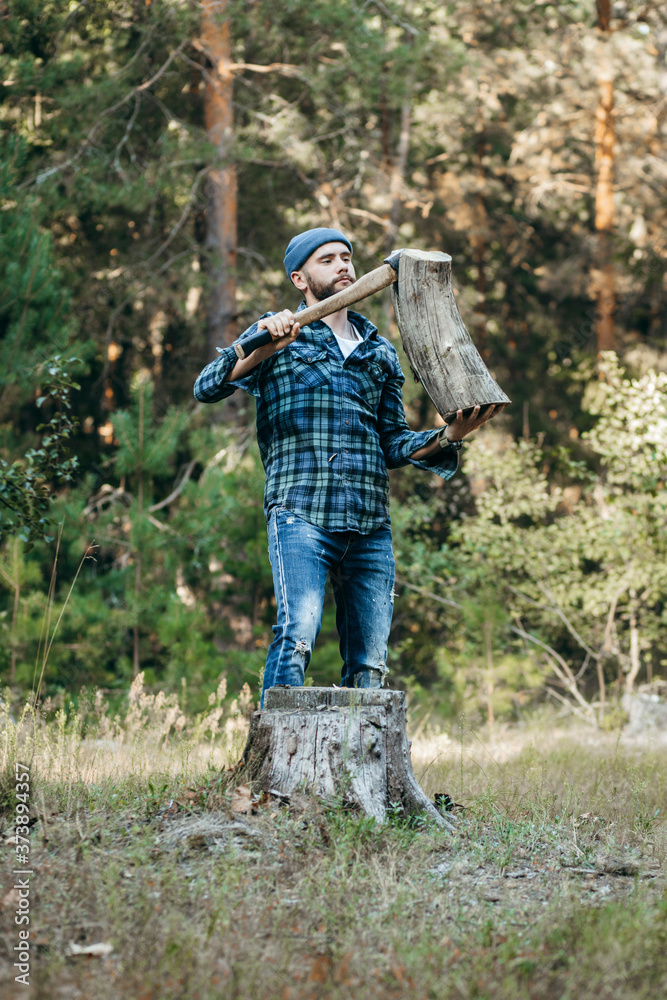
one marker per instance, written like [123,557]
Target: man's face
[327,271]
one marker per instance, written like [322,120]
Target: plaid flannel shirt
[328,428]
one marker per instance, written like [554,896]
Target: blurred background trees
[156,157]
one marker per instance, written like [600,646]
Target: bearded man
[330,422]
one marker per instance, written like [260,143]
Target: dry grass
[554,886]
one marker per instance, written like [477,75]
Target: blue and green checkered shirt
[328,428]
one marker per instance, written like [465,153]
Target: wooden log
[337,742]
[439,348]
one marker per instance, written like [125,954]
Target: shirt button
[347,421]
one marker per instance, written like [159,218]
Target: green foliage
[460,127]
[34,311]
[630,435]
[579,567]
[146,447]
[192,578]
[36,381]
[26,485]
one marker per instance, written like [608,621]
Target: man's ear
[298,279]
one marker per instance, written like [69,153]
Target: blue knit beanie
[301,246]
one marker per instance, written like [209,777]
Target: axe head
[393,258]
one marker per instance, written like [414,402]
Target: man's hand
[461,426]
[284,329]
[457,430]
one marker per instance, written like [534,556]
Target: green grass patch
[553,886]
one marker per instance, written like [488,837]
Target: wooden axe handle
[372,282]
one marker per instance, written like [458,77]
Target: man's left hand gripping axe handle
[372,282]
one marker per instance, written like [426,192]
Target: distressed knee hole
[302,647]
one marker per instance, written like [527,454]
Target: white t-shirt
[347,346]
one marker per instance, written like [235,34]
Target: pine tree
[35,383]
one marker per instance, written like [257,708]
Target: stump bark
[439,348]
[337,742]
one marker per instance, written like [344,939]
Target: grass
[553,888]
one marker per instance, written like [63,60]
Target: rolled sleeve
[444,464]
[212,383]
[398,442]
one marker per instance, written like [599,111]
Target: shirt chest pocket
[372,377]
[310,367]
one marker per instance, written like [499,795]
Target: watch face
[445,442]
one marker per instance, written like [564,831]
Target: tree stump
[345,742]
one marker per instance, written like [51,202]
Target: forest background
[156,158]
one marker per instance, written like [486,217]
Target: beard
[320,290]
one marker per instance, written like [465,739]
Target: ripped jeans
[361,568]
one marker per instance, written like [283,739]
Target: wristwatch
[444,441]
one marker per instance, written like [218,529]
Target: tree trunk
[221,222]
[337,742]
[479,235]
[489,673]
[439,348]
[396,166]
[136,657]
[397,173]
[635,662]
[604,194]
[604,14]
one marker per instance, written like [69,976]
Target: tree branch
[371,216]
[177,489]
[606,638]
[126,135]
[122,69]
[182,220]
[285,69]
[41,177]
[559,665]
[392,17]
[563,617]
[571,707]
[427,593]
[159,525]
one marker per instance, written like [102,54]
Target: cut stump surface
[344,742]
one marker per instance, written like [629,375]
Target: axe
[438,346]
[372,282]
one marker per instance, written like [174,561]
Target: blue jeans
[361,568]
